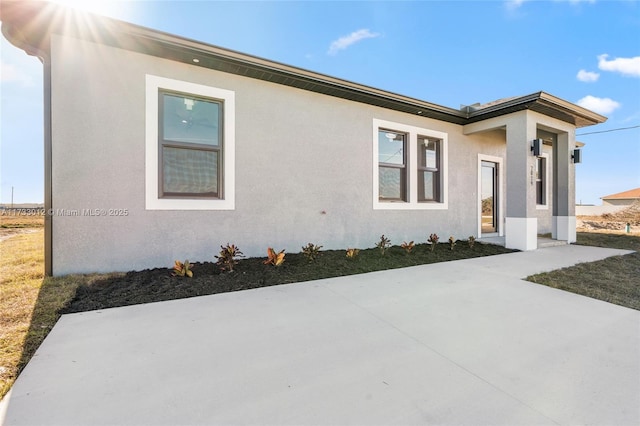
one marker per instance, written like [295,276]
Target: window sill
[188,204]
[398,205]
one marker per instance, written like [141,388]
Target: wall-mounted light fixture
[577,156]
[536,147]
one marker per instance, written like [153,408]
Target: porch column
[521,223]
[564,192]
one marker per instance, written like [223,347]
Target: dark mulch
[154,285]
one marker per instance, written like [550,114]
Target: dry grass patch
[12,221]
[29,303]
[21,276]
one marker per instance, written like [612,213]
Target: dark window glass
[541,197]
[392,166]
[428,169]
[190,146]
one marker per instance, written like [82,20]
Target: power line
[611,130]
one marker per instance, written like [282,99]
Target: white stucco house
[159,147]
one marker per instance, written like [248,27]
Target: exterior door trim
[501,200]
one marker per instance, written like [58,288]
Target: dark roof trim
[543,103]
[28,24]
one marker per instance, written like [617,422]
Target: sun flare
[99,7]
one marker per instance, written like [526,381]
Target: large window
[409,167]
[189,146]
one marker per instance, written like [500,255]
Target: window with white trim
[190,146]
[409,167]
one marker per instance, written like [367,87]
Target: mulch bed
[154,285]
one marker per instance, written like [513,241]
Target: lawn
[615,279]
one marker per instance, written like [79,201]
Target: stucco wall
[303,169]
[614,202]
[598,210]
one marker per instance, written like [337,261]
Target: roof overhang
[29,25]
[543,103]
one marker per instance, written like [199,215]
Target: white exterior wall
[598,210]
[303,169]
[621,203]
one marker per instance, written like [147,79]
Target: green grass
[614,280]
[619,241]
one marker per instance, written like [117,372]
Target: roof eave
[543,103]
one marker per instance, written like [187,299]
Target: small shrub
[471,241]
[452,242]
[227,259]
[273,258]
[407,246]
[384,244]
[433,239]
[311,251]
[182,269]
[352,253]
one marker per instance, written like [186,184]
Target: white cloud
[9,73]
[599,105]
[18,69]
[625,66]
[346,41]
[587,76]
[515,4]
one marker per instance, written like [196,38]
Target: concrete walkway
[464,342]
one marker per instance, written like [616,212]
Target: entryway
[489,196]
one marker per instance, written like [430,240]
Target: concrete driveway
[464,342]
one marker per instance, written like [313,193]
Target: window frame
[402,167]
[411,149]
[163,142]
[422,169]
[543,182]
[154,197]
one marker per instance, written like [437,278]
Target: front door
[489,197]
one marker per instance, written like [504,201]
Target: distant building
[625,198]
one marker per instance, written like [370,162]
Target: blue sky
[449,53]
